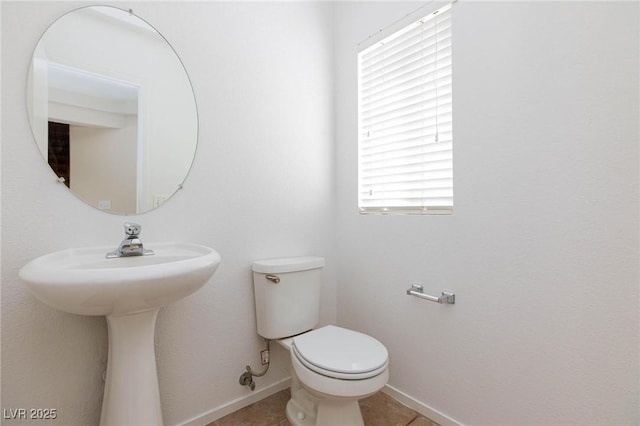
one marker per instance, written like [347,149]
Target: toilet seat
[340,353]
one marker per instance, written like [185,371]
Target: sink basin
[130,291]
[81,281]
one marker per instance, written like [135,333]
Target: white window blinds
[405,120]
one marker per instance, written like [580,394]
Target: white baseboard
[420,407]
[228,408]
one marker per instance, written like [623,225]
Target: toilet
[331,367]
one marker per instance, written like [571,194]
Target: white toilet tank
[287,294]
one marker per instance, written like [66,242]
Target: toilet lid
[334,349]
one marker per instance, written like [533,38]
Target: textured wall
[542,248]
[260,187]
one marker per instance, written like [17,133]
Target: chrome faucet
[131,245]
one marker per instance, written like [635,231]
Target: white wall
[264,98]
[542,248]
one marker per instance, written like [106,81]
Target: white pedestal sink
[129,291]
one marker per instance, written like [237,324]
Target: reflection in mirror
[112,109]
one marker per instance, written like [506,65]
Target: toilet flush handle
[273,278]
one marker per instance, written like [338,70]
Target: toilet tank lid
[289,264]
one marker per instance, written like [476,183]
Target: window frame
[396,30]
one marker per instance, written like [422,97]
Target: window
[405,139]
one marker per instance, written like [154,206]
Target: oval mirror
[112,109]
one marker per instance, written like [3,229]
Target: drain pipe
[246,379]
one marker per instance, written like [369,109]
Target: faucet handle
[132,229]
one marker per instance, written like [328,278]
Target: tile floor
[377,410]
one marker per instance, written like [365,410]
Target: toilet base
[334,412]
[330,413]
[298,416]
[311,408]
[302,407]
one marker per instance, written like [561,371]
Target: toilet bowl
[331,367]
[337,367]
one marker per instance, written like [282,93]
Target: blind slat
[374,85]
[406,88]
[430,105]
[424,34]
[413,63]
[426,136]
[421,55]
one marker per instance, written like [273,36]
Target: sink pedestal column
[131,393]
